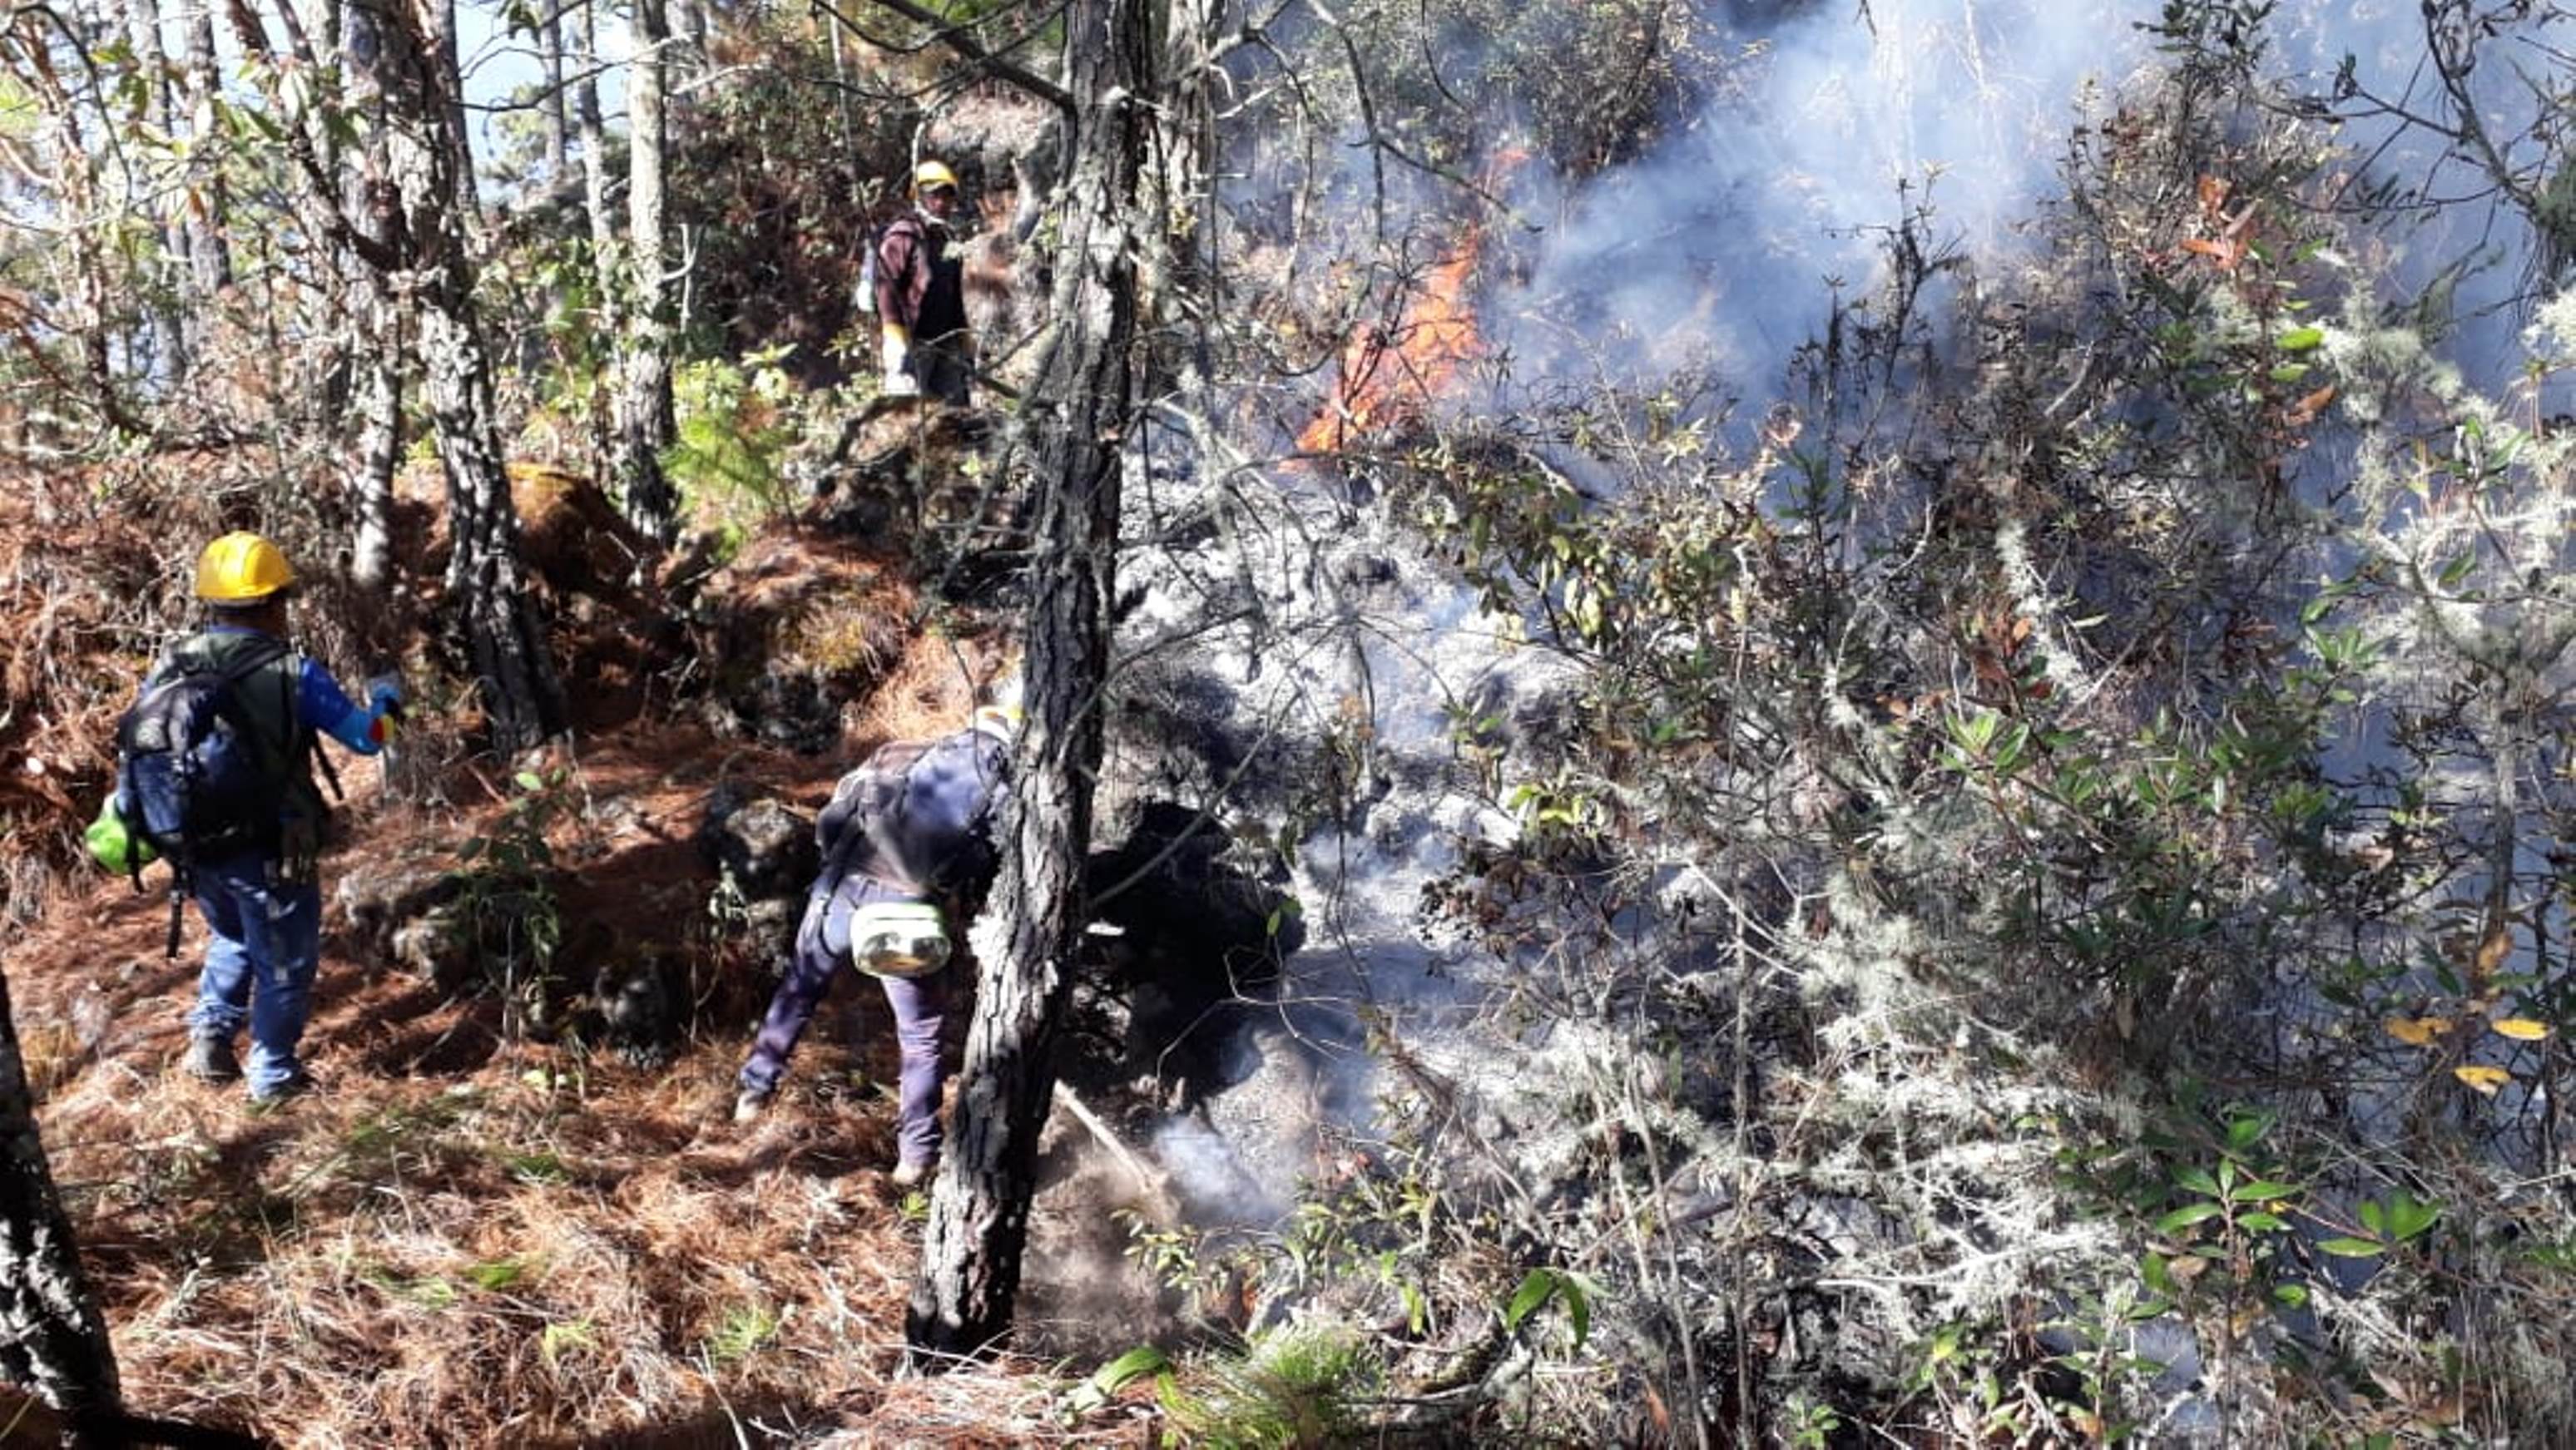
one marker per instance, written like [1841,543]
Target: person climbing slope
[908,855]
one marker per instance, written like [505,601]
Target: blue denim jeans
[265,943]
[920,1008]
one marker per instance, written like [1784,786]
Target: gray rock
[643,1000]
[380,899]
[437,946]
[765,845]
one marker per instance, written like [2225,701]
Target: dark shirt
[921,280]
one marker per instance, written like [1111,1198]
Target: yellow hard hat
[241,569]
[932,173]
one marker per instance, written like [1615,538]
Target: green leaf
[2348,1248]
[2197,1181]
[2264,1190]
[2409,1216]
[2158,1277]
[529,780]
[2300,339]
[2263,1223]
[2186,1216]
[2294,1296]
[1127,1368]
[557,1338]
[1534,1290]
[2372,1219]
[498,1274]
[1578,1304]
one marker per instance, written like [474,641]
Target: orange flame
[1391,375]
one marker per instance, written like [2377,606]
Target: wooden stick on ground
[1155,1183]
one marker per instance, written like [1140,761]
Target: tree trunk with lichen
[490,605]
[1077,415]
[53,1339]
[372,450]
[645,418]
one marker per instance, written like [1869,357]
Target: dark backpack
[196,775]
[916,815]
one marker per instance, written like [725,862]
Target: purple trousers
[920,1006]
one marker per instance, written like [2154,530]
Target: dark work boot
[210,1059]
[295,1086]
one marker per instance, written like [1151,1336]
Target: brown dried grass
[538,1249]
[528,1256]
[84,591]
[933,687]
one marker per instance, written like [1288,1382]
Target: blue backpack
[196,776]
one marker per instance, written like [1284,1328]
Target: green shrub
[1296,1386]
[736,422]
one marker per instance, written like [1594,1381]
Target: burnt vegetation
[1752,725]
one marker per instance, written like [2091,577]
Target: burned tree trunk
[52,1338]
[1078,414]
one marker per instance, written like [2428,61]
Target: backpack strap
[322,761]
[313,746]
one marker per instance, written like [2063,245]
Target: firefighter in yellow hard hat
[920,293]
[244,832]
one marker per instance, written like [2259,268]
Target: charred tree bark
[1078,415]
[645,419]
[52,1337]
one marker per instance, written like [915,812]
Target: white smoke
[1724,245]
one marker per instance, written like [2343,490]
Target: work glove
[895,348]
[385,703]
